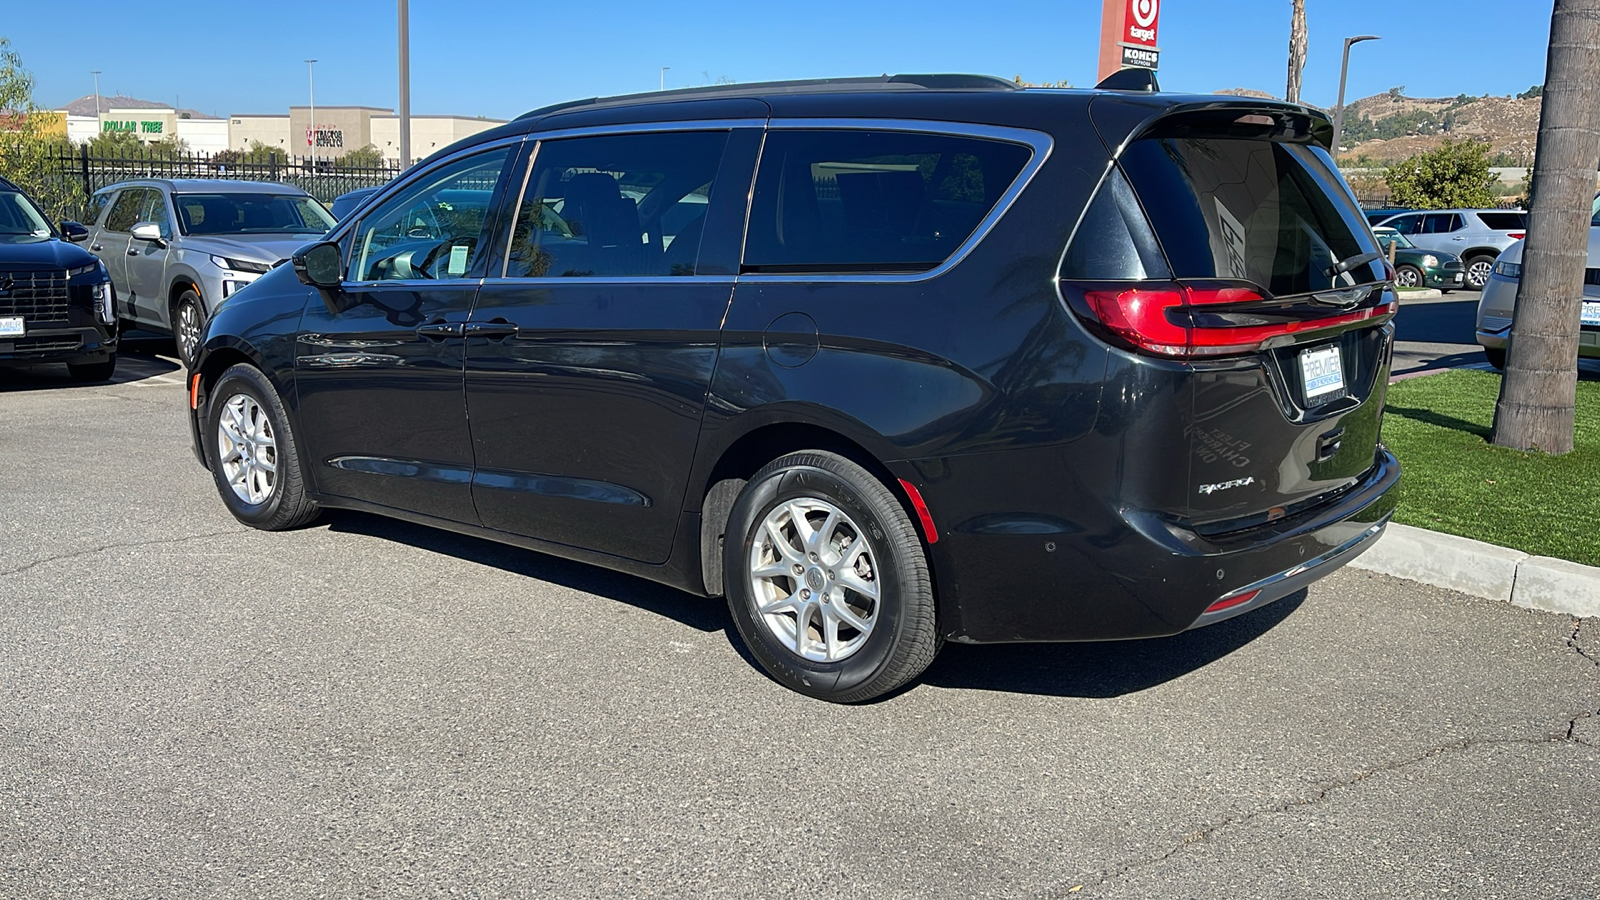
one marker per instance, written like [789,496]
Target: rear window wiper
[1339,268]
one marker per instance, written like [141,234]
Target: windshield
[1388,236]
[17,216]
[251,213]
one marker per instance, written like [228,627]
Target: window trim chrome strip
[1042,145]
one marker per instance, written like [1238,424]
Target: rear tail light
[1517,235]
[1186,322]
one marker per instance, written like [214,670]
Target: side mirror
[318,265]
[74,232]
[150,232]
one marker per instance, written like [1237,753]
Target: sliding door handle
[495,329]
[440,330]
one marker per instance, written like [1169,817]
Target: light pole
[96,74]
[405,85]
[664,77]
[311,130]
[1344,71]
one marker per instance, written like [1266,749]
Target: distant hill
[84,106]
[1246,92]
[1392,126]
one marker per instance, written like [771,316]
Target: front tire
[101,370]
[1408,277]
[826,580]
[1479,268]
[254,460]
[188,323]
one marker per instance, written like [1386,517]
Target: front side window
[155,210]
[872,201]
[615,205]
[125,212]
[434,228]
[250,213]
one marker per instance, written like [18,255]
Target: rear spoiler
[1122,115]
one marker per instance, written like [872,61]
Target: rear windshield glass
[247,213]
[1505,221]
[1273,214]
[865,201]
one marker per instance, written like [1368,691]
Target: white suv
[1478,236]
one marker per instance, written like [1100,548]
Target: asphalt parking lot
[189,708]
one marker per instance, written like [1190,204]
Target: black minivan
[883,361]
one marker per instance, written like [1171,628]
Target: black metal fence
[75,172]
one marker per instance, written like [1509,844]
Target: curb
[1485,570]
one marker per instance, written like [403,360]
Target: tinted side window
[1440,223]
[434,228]
[615,205]
[98,204]
[1504,221]
[866,201]
[125,212]
[1405,224]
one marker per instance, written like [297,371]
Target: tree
[116,145]
[1063,83]
[1455,175]
[29,144]
[368,157]
[1398,93]
[1297,51]
[1532,93]
[1538,396]
[257,154]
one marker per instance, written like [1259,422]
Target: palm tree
[1297,51]
[1539,394]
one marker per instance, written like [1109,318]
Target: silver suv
[176,248]
[1475,235]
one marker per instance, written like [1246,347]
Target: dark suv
[885,362]
[56,300]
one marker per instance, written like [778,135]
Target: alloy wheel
[1478,273]
[814,580]
[248,451]
[188,331]
[1406,278]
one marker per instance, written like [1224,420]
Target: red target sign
[1139,26]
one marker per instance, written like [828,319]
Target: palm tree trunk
[1539,393]
[1297,51]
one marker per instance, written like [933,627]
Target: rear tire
[1496,357]
[93,371]
[254,460]
[826,579]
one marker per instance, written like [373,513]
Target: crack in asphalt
[1205,832]
[117,546]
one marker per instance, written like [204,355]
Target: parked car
[346,203]
[1417,268]
[1498,303]
[177,248]
[55,298]
[1376,217]
[928,362]
[1475,235]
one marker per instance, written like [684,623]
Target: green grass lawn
[1454,481]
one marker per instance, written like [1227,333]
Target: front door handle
[495,329]
[438,331]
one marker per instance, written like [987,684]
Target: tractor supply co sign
[325,137]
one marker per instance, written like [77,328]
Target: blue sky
[499,58]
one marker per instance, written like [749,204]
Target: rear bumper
[1120,574]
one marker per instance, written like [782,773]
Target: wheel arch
[756,445]
[219,358]
[183,281]
[1491,252]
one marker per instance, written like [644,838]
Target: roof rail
[934,81]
